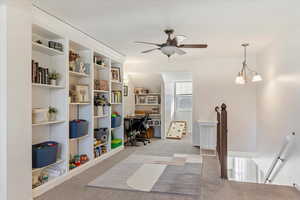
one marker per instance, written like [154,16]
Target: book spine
[47,76]
[32,71]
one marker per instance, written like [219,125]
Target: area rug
[179,174]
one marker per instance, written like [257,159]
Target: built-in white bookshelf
[45,94]
[45,61]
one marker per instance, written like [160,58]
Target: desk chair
[141,126]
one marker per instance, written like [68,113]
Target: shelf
[100,145]
[78,74]
[96,117]
[116,103]
[79,138]
[46,50]
[80,103]
[115,128]
[100,67]
[117,82]
[47,86]
[39,169]
[48,123]
[80,167]
[149,94]
[149,114]
[147,104]
[101,91]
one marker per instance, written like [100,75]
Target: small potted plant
[52,113]
[54,76]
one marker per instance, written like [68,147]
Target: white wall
[278,109]
[213,83]
[2,103]
[129,101]
[15,100]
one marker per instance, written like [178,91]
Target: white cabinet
[206,135]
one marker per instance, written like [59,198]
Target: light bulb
[240,79]
[256,78]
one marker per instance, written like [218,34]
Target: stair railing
[222,132]
[279,159]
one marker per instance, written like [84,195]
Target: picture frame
[115,74]
[125,90]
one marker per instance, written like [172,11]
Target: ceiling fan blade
[147,51]
[151,43]
[180,38]
[179,51]
[193,46]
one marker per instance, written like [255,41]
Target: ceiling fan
[172,45]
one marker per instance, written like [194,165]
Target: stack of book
[116,96]
[39,74]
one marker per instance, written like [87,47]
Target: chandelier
[246,74]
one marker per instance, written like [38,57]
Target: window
[183,91]
[182,88]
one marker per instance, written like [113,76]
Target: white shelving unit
[148,107]
[117,106]
[45,95]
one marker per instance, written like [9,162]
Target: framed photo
[125,90]
[115,74]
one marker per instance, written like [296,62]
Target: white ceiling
[222,24]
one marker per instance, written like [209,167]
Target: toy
[84,158]
[77,160]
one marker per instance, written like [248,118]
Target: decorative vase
[53,82]
[99,111]
[52,116]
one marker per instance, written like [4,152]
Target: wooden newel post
[223,142]
[218,130]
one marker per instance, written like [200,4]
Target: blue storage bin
[78,128]
[116,121]
[44,154]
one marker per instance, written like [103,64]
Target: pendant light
[246,74]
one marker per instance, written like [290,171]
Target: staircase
[215,188]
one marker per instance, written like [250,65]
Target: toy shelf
[100,145]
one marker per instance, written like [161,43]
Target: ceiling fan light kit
[246,74]
[172,45]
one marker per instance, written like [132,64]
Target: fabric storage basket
[78,128]
[39,115]
[101,134]
[44,154]
[116,121]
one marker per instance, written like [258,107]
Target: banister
[278,159]
[222,139]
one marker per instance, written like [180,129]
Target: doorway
[183,102]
